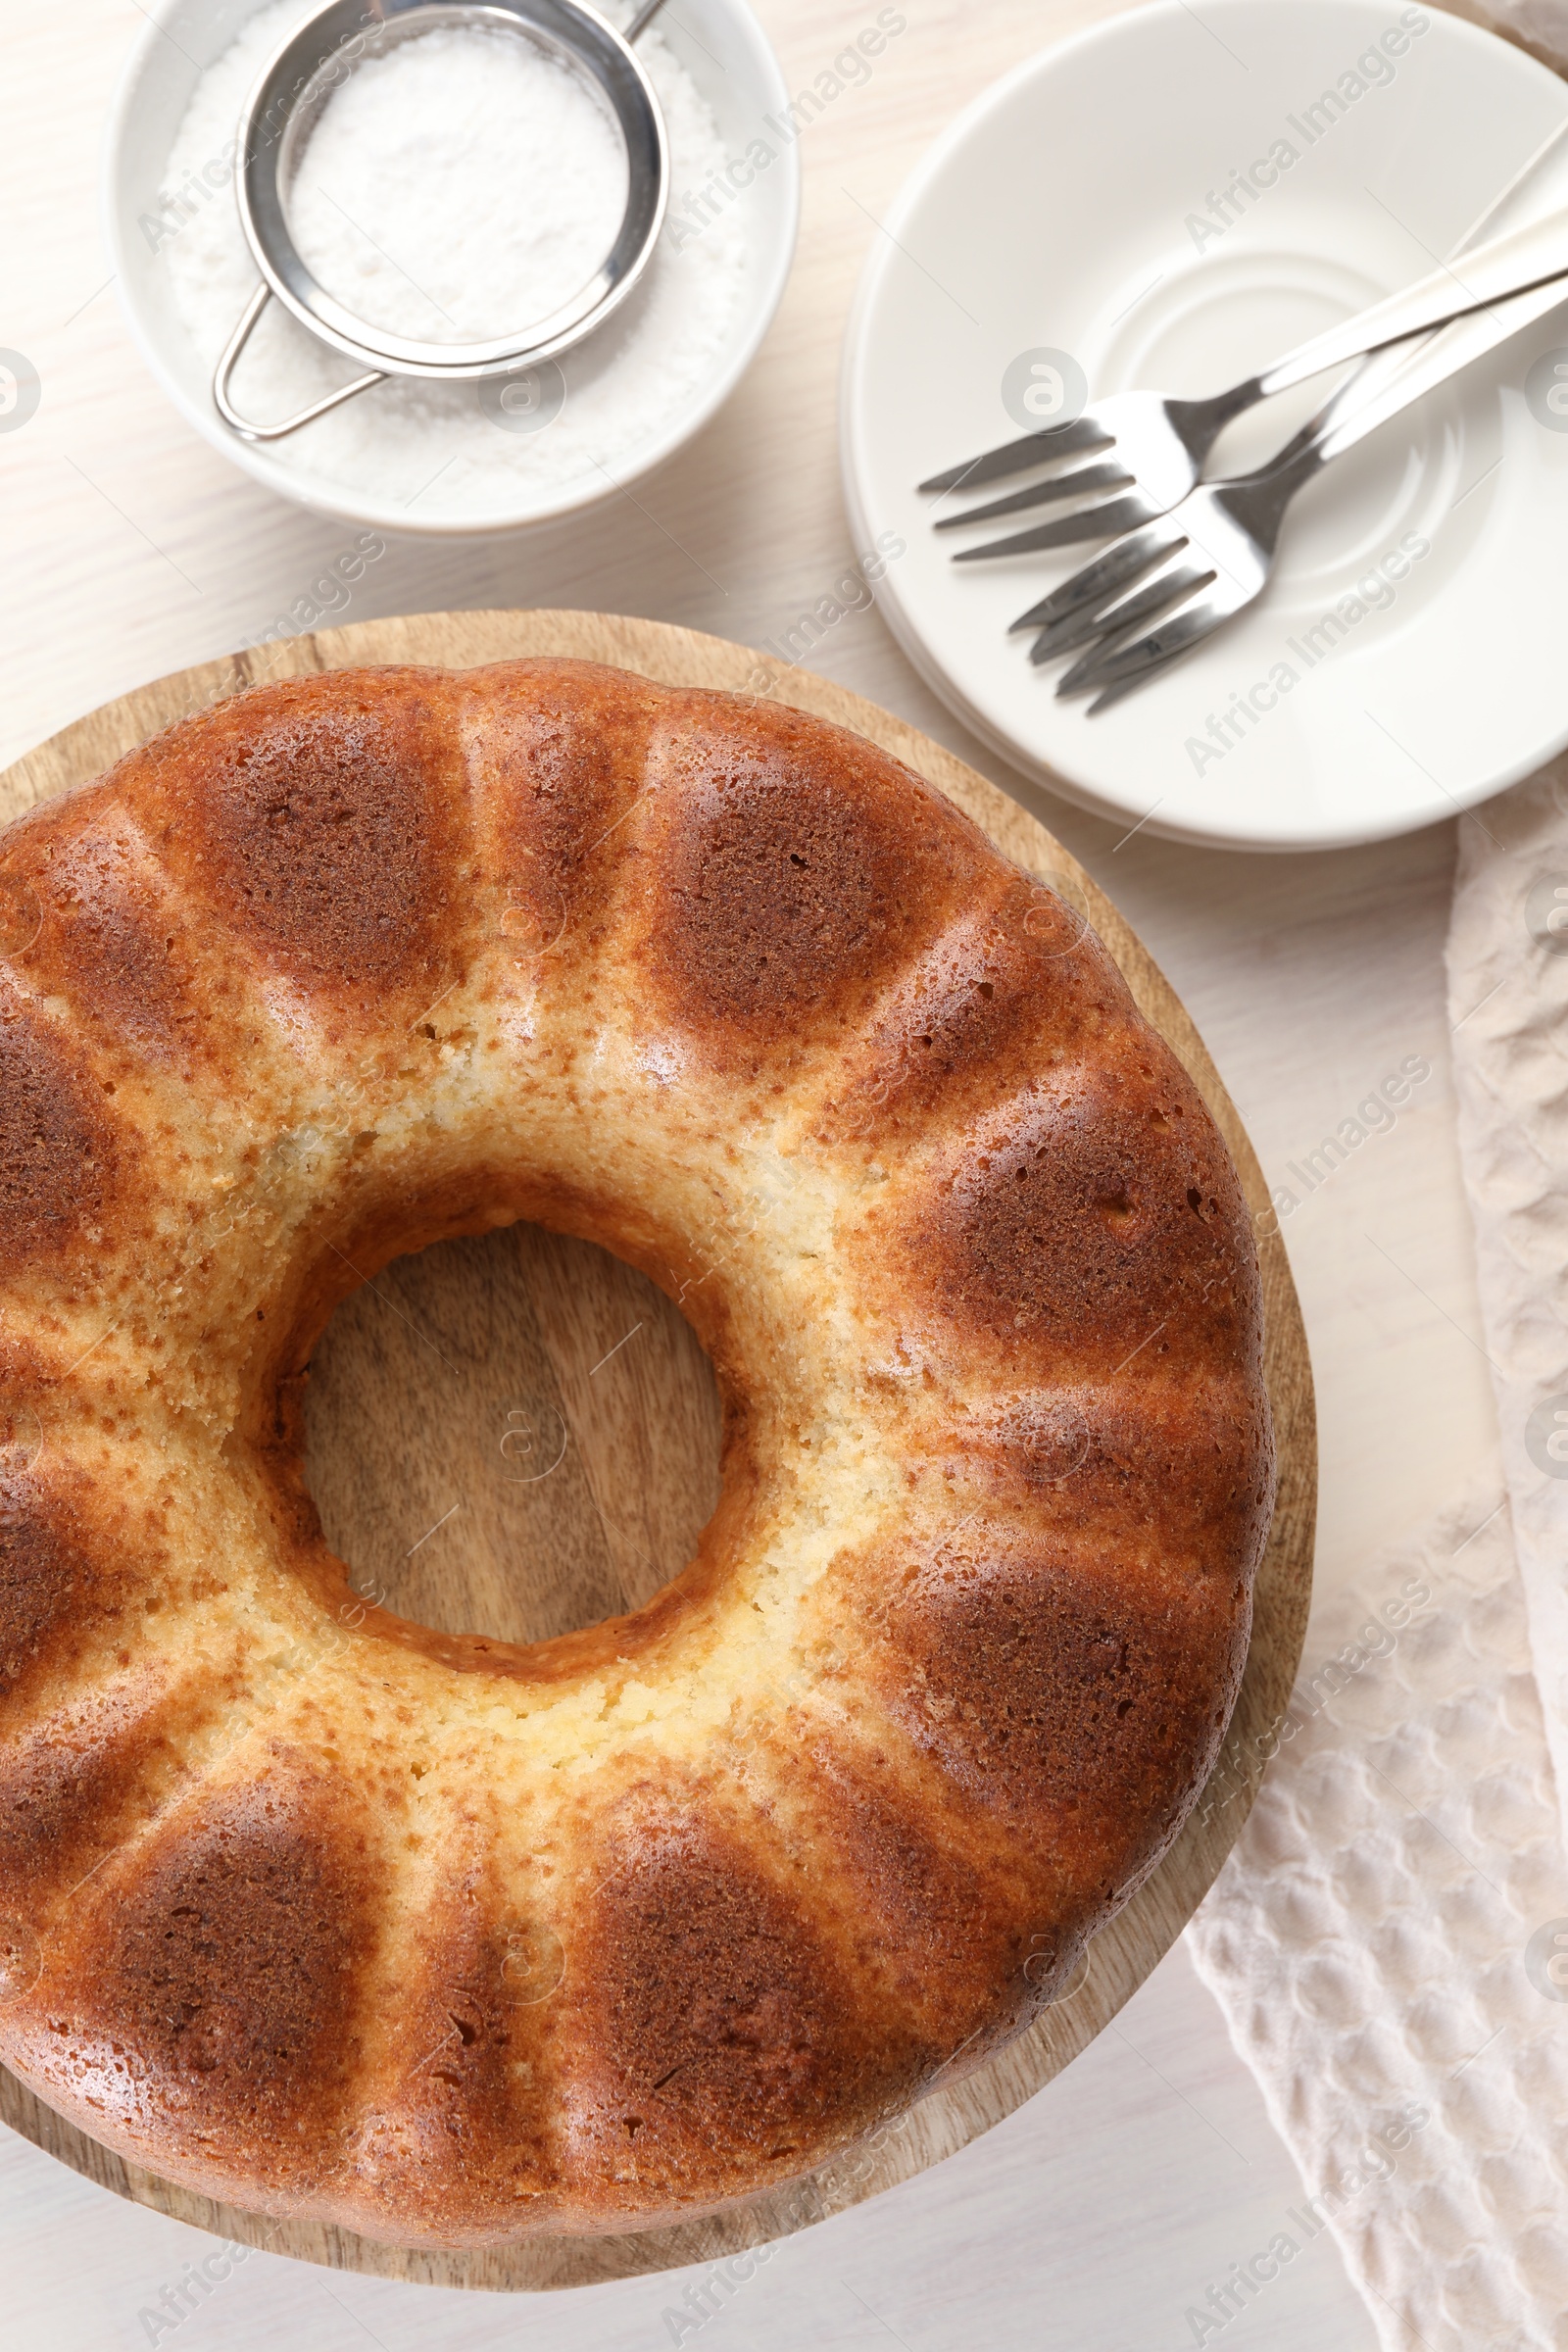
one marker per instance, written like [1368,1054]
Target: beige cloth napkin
[1367,1944]
[1508,1000]
[1540,25]
[1389,1941]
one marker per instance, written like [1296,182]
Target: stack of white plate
[1170,201]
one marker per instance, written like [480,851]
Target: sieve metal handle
[225,370]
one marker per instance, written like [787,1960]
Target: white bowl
[722,47]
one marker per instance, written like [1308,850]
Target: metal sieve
[283,108]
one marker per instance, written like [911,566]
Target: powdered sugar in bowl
[443,185]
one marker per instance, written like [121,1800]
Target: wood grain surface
[606,1464]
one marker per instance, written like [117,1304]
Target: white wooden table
[1102,2209]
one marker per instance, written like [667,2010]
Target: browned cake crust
[448,1940]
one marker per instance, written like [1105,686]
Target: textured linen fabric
[1509,998]
[1390,1935]
[1540,25]
[1373,1942]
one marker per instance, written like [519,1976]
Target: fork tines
[1101,474]
[1095,521]
[1151,576]
[1111,671]
[1017,457]
[1088,492]
[1100,582]
[1110,623]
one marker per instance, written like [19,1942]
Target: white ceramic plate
[728,55]
[1068,211]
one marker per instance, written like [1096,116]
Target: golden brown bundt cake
[448,1940]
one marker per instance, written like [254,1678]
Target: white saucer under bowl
[1407,657]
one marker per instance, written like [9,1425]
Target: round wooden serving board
[519,1435]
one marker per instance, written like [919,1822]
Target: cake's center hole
[512,1436]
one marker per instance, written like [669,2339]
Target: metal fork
[1150,451]
[1192,570]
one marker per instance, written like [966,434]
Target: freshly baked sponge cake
[449,1940]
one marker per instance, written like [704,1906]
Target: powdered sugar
[463,186]
[618,392]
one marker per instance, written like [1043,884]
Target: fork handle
[1521,261]
[1346,422]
